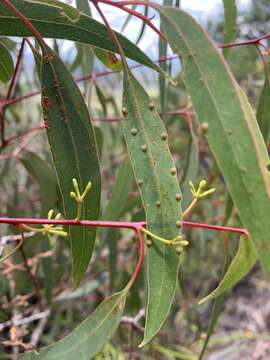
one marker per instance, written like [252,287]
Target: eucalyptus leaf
[89,337]
[6,64]
[155,173]
[232,129]
[73,146]
[55,19]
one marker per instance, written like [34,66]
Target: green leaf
[6,64]
[55,19]
[240,266]
[146,140]
[108,59]
[84,6]
[233,133]
[230,23]
[74,151]
[89,337]
[263,109]
[102,99]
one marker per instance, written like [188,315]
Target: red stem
[16,71]
[114,224]
[83,78]
[136,14]
[255,41]
[23,133]
[141,257]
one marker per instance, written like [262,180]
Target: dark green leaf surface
[263,110]
[240,266]
[233,133]
[152,163]
[74,151]
[84,6]
[6,64]
[89,337]
[54,19]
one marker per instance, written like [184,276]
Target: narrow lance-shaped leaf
[89,337]
[146,140]
[55,19]
[84,6]
[6,64]
[240,266]
[233,133]
[263,109]
[230,23]
[74,151]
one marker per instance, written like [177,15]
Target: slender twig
[95,75]
[26,320]
[135,13]
[113,224]
[16,71]
[256,41]
[24,133]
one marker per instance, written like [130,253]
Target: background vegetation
[37,303]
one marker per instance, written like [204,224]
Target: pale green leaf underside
[152,162]
[240,266]
[89,337]
[233,134]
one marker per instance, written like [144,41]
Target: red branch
[6,103]
[113,224]
[256,41]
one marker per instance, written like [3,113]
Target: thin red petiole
[16,71]
[141,256]
[137,14]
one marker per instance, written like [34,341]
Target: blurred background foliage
[29,188]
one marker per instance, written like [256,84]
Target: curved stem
[114,224]
[140,260]
[189,209]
